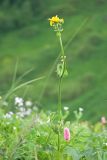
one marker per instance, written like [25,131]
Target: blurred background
[29,48]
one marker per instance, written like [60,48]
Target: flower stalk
[56,23]
[62,65]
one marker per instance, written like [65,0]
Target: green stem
[59,99]
[59,89]
[62,48]
[60,78]
[58,140]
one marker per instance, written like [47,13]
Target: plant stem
[62,48]
[59,89]
[58,140]
[59,99]
[60,78]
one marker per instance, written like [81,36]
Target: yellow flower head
[55,20]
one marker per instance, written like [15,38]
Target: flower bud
[66,134]
[103,120]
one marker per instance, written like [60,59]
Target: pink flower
[66,134]
[103,120]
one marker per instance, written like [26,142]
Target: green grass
[36,47]
[35,136]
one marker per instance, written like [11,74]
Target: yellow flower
[55,19]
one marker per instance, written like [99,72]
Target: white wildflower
[7,115]
[22,109]
[20,114]
[19,101]
[28,103]
[11,113]
[81,109]
[23,112]
[28,112]
[66,108]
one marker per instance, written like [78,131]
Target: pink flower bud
[103,120]
[66,134]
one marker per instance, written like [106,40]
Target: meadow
[53,91]
[33,135]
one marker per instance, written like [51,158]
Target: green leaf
[60,69]
[72,153]
[99,155]
[65,73]
[105,156]
[88,154]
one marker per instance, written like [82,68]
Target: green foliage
[27,132]
[35,137]
[16,14]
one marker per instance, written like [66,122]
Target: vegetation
[32,134]
[47,84]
